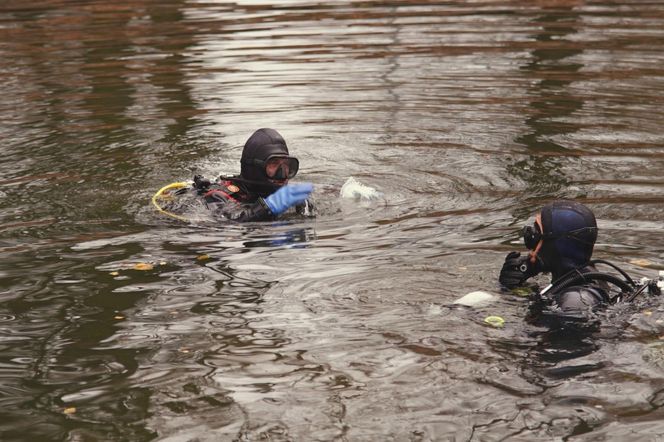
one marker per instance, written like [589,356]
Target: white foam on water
[353,189]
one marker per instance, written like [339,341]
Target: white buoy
[474,299]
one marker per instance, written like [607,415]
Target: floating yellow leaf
[143,266]
[114,273]
[163,263]
[641,262]
[118,317]
[647,313]
[69,410]
[495,321]
[203,257]
[522,291]
[184,350]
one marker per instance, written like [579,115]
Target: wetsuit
[561,242]
[260,193]
[576,301]
[231,198]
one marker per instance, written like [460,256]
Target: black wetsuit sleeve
[223,205]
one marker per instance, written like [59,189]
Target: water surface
[467,115]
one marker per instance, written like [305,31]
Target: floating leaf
[641,262]
[495,321]
[203,257]
[118,317]
[114,273]
[69,410]
[143,266]
[522,291]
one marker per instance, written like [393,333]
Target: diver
[561,242]
[261,191]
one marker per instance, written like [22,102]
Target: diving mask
[278,167]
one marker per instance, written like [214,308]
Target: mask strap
[533,254]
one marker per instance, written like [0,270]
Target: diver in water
[561,242]
[261,192]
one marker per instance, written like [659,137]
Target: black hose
[574,273]
[592,276]
[618,269]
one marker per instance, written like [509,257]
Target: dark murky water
[467,115]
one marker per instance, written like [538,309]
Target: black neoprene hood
[562,253]
[261,145]
[564,216]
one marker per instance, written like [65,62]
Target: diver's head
[562,237]
[265,163]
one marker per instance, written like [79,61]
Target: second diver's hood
[569,235]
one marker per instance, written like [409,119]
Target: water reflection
[552,104]
[196,317]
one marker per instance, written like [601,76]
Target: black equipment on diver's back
[201,184]
[628,288]
[571,301]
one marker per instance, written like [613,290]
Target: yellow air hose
[160,195]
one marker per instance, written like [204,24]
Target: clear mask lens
[281,168]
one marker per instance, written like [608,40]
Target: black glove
[517,269]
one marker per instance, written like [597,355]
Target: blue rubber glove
[288,196]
